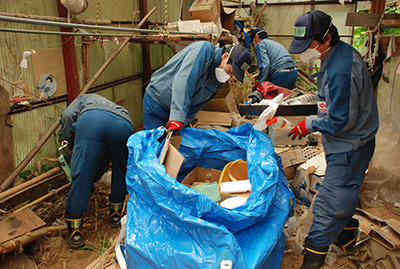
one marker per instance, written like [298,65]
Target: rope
[372,53]
[101,43]
[166,34]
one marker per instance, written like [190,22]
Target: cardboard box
[308,178]
[228,18]
[186,4]
[214,118]
[292,157]
[212,28]
[218,111]
[200,174]
[205,10]
[222,104]
[170,157]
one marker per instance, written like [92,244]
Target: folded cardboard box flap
[384,232]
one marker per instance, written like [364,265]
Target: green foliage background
[359,32]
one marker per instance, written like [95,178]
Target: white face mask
[221,74]
[311,55]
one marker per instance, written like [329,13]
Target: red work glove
[299,130]
[174,126]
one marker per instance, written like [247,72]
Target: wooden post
[70,64]
[6,136]
[260,15]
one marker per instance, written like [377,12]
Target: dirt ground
[52,252]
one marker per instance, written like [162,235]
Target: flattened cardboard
[170,157]
[379,231]
[50,61]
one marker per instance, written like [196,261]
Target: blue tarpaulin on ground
[172,226]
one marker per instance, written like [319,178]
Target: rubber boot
[314,257]
[115,212]
[74,223]
[347,238]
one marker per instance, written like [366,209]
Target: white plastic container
[268,113]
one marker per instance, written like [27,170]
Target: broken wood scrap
[51,193]
[4,195]
[17,243]
[49,213]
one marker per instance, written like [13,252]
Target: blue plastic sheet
[172,226]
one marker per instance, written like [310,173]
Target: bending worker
[97,130]
[190,79]
[348,122]
[274,62]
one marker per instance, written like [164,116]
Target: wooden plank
[6,137]
[16,224]
[372,20]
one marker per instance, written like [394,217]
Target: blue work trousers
[286,79]
[154,115]
[337,198]
[96,132]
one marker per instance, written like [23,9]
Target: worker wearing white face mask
[348,122]
[178,90]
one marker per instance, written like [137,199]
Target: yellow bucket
[233,171]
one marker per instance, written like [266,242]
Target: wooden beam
[372,19]
[377,6]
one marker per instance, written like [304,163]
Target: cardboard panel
[214,118]
[50,61]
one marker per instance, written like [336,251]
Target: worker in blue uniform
[178,90]
[348,122]
[274,62]
[96,130]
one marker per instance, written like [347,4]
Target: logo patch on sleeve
[322,106]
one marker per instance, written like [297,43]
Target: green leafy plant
[361,32]
[104,245]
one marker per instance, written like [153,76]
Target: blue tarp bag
[172,226]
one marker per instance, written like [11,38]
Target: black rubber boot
[347,238]
[115,211]
[74,223]
[314,257]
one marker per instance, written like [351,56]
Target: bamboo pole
[260,15]
[44,197]
[50,132]
[29,183]
[22,240]
[57,19]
